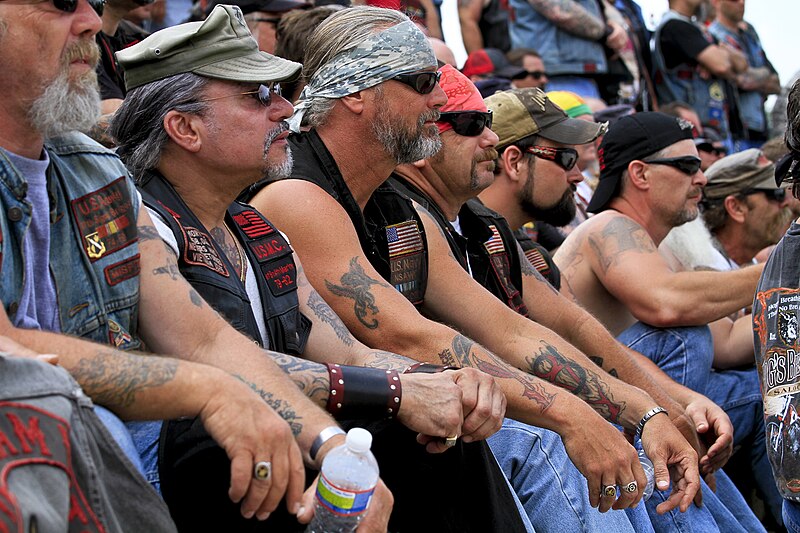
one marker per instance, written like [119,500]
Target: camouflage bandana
[401,49]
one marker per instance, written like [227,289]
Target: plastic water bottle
[647,466]
[345,487]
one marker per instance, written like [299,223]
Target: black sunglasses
[566,158]
[263,94]
[535,74]
[711,149]
[467,123]
[776,195]
[70,6]
[422,82]
[688,164]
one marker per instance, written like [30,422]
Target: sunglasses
[776,195]
[263,94]
[70,6]
[687,164]
[566,158]
[467,123]
[422,82]
[709,148]
[535,74]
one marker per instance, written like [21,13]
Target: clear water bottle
[345,487]
[647,466]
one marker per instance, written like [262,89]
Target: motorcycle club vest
[212,275]
[389,230]
[539,258]
[486,248]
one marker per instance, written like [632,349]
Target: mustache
[490,154]
[82,50]
[283,126]
[428,116]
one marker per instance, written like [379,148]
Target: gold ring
[608,490]
[449,442]
[262,470]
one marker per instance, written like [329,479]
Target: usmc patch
[105,219]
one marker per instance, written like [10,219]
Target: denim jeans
[146,436]
[791,516]
[686,355]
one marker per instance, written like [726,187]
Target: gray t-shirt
[38,306]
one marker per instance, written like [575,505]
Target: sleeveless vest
[389,230]
[212,275]
[539,258]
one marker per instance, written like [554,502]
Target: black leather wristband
[362,392]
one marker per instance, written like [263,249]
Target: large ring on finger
[449,442]
[608,490]
[262,471]
[631,487]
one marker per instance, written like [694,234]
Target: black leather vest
[207,269]
[540,258]
[389,230]
[486,240]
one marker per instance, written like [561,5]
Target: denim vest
[562,52]
[684,83]
[94,255]
[751,103]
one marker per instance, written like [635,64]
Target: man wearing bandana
[372,102]
[775,336]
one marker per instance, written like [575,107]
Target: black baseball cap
[633,137]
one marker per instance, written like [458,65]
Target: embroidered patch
[537,261]
[406,259]
[33,436]
[200,251]
[495,243]
[119,272]
[269,248]
[105,219]
[252,224]
[281,276]
[403,238]
[117,335]
[502,270]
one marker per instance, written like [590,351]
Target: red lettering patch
[28,436]
[119,272]
[105,219]
[269,248]
[252,224]
[281,276]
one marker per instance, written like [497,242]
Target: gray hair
[138,125]
[792,137]
[340,32]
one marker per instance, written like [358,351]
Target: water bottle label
[342,501]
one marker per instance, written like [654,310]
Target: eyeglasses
[263,94]
[711,149]
[776,195]
[467,123]
[566,158]
[70,6]
[422,82]
[687,164]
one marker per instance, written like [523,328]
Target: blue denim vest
[562,52]
[683,82]
[751,103]
[94,252]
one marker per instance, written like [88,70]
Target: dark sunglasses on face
[709,148]
[263,94]
[687,164]
[467,123]
[776,195]
[535,74]
[566,158]
[422,82]
[70,6]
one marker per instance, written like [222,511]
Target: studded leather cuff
[362,392]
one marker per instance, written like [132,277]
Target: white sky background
[764,15]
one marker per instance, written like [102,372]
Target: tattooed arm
[619,250]
[570,17]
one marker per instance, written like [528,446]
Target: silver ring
[608,490]
[449,442]
[630,487]
[262,470]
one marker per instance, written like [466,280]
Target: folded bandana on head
[462,95]
[401,49]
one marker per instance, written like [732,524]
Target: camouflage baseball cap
[220,47]
[520,113]
[735,173]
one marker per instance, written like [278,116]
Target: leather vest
[539,258]
[494,25]
[212,275]
[486,248]
[389,230]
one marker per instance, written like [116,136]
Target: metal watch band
[324,436]
[647,416]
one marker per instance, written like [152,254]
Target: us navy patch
[406,259]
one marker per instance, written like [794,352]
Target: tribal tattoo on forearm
[114,378]
[496,367]
[327,315]
[552,366]
[310,377]
[387,360]
[355,284]
[282,407]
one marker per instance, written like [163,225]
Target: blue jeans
[686,355]
[119,432]
[146,436]
[791,516]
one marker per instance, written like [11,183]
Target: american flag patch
[252,225]
[495,244]
[537,260]
[403,238]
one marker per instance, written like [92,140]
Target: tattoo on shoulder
[114,378]
[356,284]
[619,236]
[596,359]
[147,233]
[282,407]
[551,365]
[327,315]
